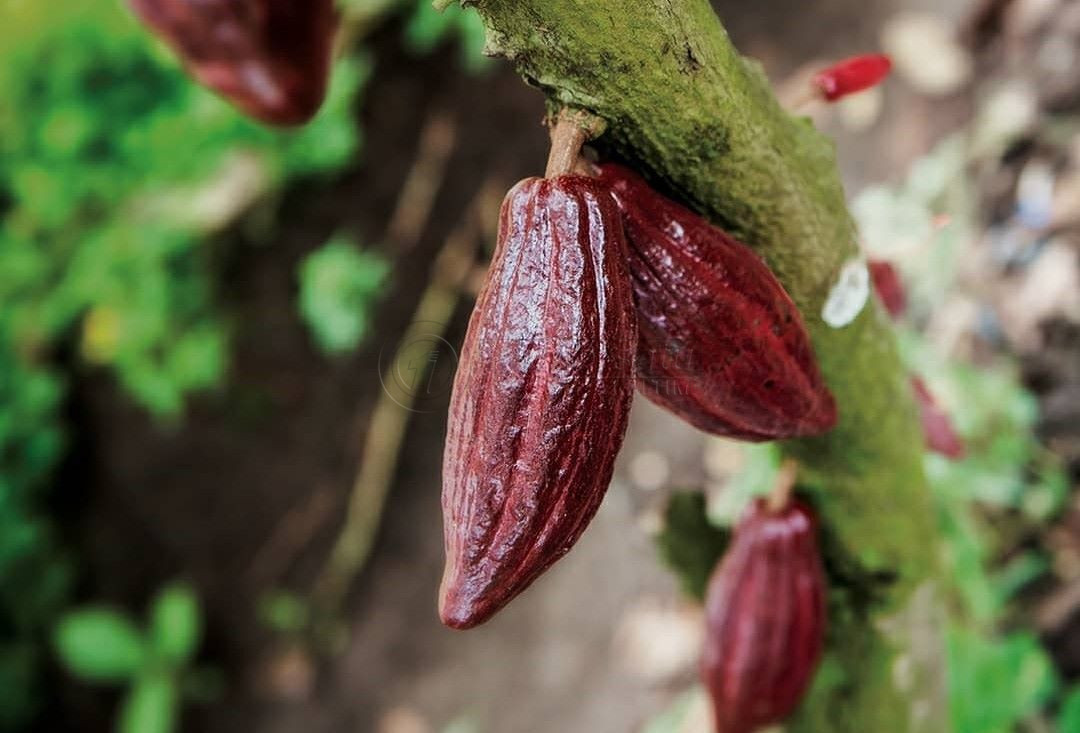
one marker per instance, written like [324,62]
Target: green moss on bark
[700,121]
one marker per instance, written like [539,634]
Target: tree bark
[702,123]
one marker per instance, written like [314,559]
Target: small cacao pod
[271,58]
[541,397]
[889,287]
[720,343]
[852,75]
[938,431]
[765,619]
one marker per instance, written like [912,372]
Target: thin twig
[390,418]
[292,532]
[422,183]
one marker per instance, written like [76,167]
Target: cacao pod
[765,619]
[937,426]
[541,397]
[720,343]
[271,58]
[889,287]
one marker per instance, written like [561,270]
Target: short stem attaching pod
[780,496]
[571,129]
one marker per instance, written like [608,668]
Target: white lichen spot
[848,296]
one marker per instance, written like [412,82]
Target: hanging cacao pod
[938,431]
[541,397]
[765,619]
[271,58]
[889,287]
[720,343]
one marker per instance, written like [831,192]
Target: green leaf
[176,624]
[761,464]
[150,706]
[338,287]
[99,644]
[427,26]
[284,612]
[689,543]
[1069,717]
[996,683]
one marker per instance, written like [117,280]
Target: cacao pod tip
[457,613]
[463,604]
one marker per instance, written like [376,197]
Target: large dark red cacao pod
[720,342]
[269,57]
[541,397]
[765,619]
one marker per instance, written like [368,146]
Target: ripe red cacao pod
[720,343]
[541,397]
[889,287]
[271,58]
[941,437]
[852,75]
[765,619]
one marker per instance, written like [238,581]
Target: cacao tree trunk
[682,106]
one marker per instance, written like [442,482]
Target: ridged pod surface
[720,342]
[765,619]
[541,397]
[271,58]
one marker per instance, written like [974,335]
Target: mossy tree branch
[686,110]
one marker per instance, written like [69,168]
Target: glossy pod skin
[541,397]
[720,343]
[765,619]
[271,58]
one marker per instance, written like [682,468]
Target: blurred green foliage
[1008,485]
[99,644]
[115,173]
[996,680]
[689,543]
[114,168]
[338,284]
[427,28]
[993,686]
[1069,716]
[1006,488]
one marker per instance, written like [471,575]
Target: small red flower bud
[937,426]
[889,287]
[852,75]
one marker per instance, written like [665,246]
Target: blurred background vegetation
[196,311]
